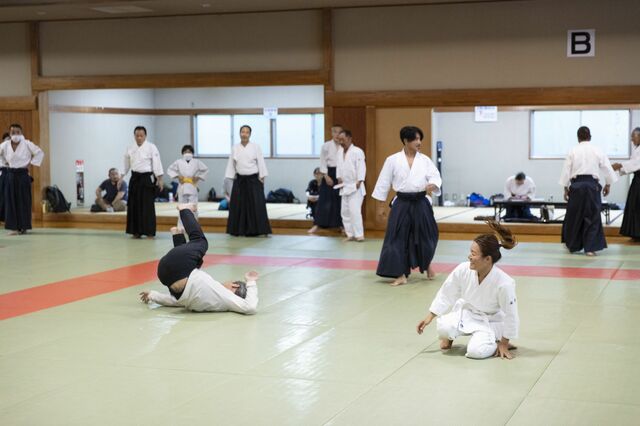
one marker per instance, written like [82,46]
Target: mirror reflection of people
[412,233]
[519,188]
[580,177]
[110,195]
[247,205]
[192,288]
[631,219]
[18,154]
[327,214]
[351,171]
[313,189]
[189,171]
[4,169]
[142,158]
[478,299]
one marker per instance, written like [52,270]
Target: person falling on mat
[478,299]
[192,288]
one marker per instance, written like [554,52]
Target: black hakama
[327,214]
[248,208]
[631,219]
[3,175]
[582,225]
[17,200]
[411,237]
[141,209]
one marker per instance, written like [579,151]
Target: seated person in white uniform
[519,188]
[478,299]
[192,288]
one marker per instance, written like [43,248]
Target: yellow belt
[187,180]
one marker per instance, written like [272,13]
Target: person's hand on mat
[328,180]
[503,350]
[231,286]
[251,276]
[144,296]
[425,322]
[605,190]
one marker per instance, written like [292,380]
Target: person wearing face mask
[631,220]
[189,171]
[142,158]
[478,299]
[247,206]
[3,173]
[18,153]
[412,233]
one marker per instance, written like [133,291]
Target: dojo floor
[331,343]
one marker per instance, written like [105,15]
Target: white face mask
[187,157]
[16,138]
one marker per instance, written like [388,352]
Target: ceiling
[53,10]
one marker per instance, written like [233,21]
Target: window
[554,132]
[213,135]
[288,135]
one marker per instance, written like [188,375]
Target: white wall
[98,139]
[478,157]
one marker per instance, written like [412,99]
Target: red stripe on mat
[46,296]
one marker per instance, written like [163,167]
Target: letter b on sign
[581,43]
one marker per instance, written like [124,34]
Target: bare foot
[348,239]
[590,254]
[187,206]
[313,229]
[431,274]
[251,276]
[445,344]
[399,281]
[136,236]
[176,231]
[360,240]
[12,233]
[512,347]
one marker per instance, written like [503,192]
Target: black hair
[5,136]
[187,148]
[636,130]
[316,170]
[410,134]
[112,169]
[490,243]
[347,133]
[521,176]
[16,125]
[584,134]
[144,129]
[246,126]
[241,291]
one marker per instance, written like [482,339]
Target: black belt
[411,196]
[21,170]
[584,178]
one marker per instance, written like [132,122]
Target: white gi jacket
[26,153]
[143,159]
[246,160]
[396,174]
[188,169]
[586,159]
[632,165]
[351,169]
[204,294]
[490,306]
[329,155]
[512,189]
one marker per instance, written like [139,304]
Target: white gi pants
[461,322]
[351,211]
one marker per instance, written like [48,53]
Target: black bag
[212,195]
[54,197]
[280,195]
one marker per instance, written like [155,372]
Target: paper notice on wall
[486,113]
[270,113]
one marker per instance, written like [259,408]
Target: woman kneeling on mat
[478,299]
[193,288]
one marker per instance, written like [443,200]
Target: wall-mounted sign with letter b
[581,43]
